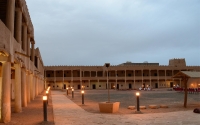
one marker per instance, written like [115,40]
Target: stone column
[81,78]
[24,37]
[142,78]
[18,25]
[150,78]
[10,15]
[24,95]
[63,81]
[18,100]
[6,97]
[165,79]
[31,87]
[28,87]
[115,79]
[158,78]
[125,80]
[36,85]
[55,87]
[28,45]
[32,52]
[134,79]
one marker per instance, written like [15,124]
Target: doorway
[171,84]
[64,86]
[117,86]
[93,86]
[112,86]
[156,85]
[79,86]
[130,86]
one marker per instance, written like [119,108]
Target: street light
[45,107]
[67,91]
[47,93]
[82,97]
[72,93]
[138,104]
[107,65]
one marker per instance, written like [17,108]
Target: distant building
[124,76]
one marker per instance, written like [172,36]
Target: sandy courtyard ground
[127,98]
[32,114]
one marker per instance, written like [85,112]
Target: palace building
[123,76]
[21,65]
[23,75]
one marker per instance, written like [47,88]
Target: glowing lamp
[82,92]
[44,97]
[137,94]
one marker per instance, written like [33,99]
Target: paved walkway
[67,112]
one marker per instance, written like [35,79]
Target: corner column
[6,97]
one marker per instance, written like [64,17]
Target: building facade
[21,65]
[124,76]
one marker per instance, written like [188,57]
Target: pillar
[32,52]
[18,100]
[125,80]
[36,86]
[158,78]
[18,25]
[28,87]
[24,94]
[31,87]
[6,97]
[28,45]
[10,14]
[165,79]
[150,78]
[134,79]
[24,37]
[115,79]
[142,78]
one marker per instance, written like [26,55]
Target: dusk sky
[94,32]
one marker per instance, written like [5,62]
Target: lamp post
[67,91]
[107,65]
[47,94]
[82,97]
[45,107]
[138,104]
[72,93]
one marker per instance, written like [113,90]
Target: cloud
[94,32]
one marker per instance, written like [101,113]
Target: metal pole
[138,104]
[82,98]
[45,109]
[67,91]
[72,94]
